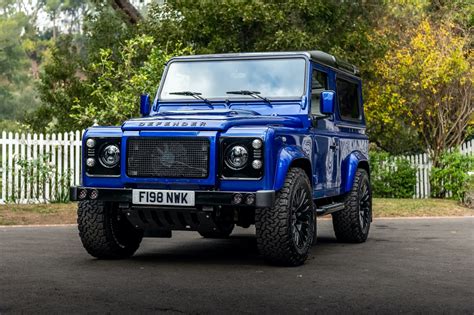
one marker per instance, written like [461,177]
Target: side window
[319,83]
[348,100]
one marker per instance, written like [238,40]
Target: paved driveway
[421,265]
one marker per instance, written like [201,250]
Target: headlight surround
[109,156]
[236,157]
[101,156]
[242,158]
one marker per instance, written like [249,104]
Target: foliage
[391,177]
[450,179]
[120,82]
[425,83]
[16,92]
[10,126]
[68,77]
[26,40]
[60,87]
[245,26]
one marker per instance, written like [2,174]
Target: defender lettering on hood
[172,123]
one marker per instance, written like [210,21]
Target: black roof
[331,61]
[315,55]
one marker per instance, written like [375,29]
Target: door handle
[334,146]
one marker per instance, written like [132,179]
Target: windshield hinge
[304,101]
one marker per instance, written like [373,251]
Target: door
[326,143]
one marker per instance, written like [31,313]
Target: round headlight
[236,157]
[90,143]
[257,144]
[110,156]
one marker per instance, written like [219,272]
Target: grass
[56,213]
[383,207]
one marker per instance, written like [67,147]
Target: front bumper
[263,198]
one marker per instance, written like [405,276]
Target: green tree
[13,67]
[68,76]
[120,82]
[340,27]
[425,83]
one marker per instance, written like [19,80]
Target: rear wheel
[105,233]
[352,224]
[286,232]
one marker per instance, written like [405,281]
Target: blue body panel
[330,148]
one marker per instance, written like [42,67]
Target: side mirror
[145,105]
[327,101]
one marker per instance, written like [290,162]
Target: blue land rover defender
[265,139]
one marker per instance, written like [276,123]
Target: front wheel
[285,233]
[104,232]
[352,224]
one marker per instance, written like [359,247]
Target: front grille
[170,157]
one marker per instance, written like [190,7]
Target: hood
[208,120]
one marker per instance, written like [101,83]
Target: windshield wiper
[254,94]
[196,95]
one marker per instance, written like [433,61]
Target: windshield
[252,79]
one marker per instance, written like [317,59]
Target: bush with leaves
[36,175]
[450,179]
[391,177]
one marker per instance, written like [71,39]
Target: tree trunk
[127,9]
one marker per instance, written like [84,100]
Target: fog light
[90,143]
[94,194]
[90,162]
[257,164]
[237,199]
[82,194]
[250,199]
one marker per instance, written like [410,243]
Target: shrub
[391,177]
[38,174]
[450,178]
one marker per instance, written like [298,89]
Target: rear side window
[348,97]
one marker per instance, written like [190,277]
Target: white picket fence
[24,181]
[39,167]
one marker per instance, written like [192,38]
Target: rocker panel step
[330,208]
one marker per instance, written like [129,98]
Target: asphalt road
[421,265]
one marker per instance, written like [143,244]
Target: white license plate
[163,197]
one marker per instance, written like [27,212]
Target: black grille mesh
[172,157]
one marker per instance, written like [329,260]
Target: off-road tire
[223,231]
[349,225]
[275,226]
[105,233]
